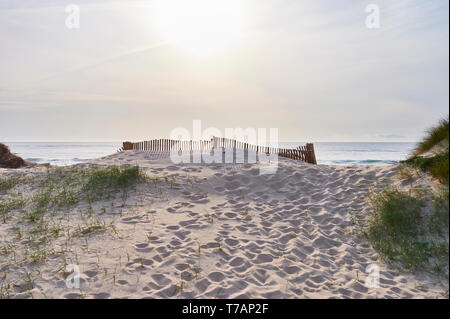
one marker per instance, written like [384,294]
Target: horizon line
[281,141]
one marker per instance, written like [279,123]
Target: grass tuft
[8,183]
[401,231]
[434,136]
[437,166]
[7,207]
[64,187]
[89,228]
[112,178]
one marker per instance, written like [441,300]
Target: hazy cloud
[310,68]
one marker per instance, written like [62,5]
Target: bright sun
[201,27]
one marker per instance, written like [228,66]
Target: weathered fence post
[312,155]
[127,146]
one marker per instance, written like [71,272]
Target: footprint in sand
[216,276]
[263,258]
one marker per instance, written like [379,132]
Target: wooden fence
[301,153]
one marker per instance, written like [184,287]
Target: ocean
[332,153]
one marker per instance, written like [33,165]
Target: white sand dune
[224,231]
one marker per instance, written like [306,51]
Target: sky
[136,70]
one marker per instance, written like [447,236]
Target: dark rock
[10,160]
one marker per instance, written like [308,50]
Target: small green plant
[90,227]
[209,218]
[5,291]
[196,271]
[18,232]
[8,206]
[114,276]
[114,229]
[64,198]
[39,255]
[219,249]
[180,286]
[7,249]
[42,201]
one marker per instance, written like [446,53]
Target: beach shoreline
[330,153]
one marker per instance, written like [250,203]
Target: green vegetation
[437,165]
[6,207]
[64,187]
[403,229]
[90,227]
[435,135]
[100,181]
[8,183]
[58,206]
[394,229]
[410,227]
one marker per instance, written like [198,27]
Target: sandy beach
[210,231]
[264,152]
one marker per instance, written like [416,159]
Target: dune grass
[403,228]
[90,227]
[112,178]
[433,137]
[8,206]
[8,183]
[437,166]
[62,188]
[46,211]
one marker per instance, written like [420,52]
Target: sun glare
[201,27]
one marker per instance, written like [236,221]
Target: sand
[221,231]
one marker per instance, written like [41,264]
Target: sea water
[332,153]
